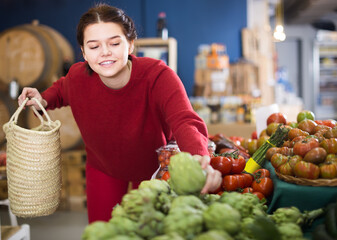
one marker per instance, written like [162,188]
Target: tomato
[271,128]
[307,125]
[252,146]
[330,145]
[294,159]
[259,195]
[321,128]
[295,140]
[329,122]
[306,170]
[305,114]
[241,180]
[286,169]
[166,176]
[254,135]
[248,178]
[271,151]
[331,133]
[263,133]
[296,132]
[316,155]
[230,183]
[304,146]
[262,140]
[278,159]
[277,118]
[286,151]
[248,190]
[264,186]
[328,170]
[222,164]
[164,155]
[293,124]
[261,173]
[331,158]
[238,164]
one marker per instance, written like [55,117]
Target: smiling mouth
[106,63]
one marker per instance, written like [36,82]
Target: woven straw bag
[33,165]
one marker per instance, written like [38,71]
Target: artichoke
[155,185]
[136,200]
[214,235]
[186,175]
[98,230]
[186,221]
[188,200]
[247,204]
[221,216]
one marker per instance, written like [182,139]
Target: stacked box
[73,180]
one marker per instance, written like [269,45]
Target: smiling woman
[126,107]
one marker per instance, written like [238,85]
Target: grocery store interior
[239,61]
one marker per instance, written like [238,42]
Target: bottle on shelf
[162,31]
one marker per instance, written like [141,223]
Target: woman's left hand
[214,179]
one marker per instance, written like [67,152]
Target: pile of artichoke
[175,210]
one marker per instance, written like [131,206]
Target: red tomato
[241,180]
[248,178]
[286,169]
[307,125]
[330,145]
[329,122]
[248,190]
[306,170]
[261,173]
[166,176]
[278,159]
[304,146]
[222,164]
[277,118]
[254,135]
[238,164]
[328,170]
[264,186]
[259,195]
[296,132]
[230,183]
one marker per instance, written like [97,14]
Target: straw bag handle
[18,111]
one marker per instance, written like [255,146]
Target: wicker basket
[308,182]
[33,165]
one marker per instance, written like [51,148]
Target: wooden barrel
[34,55]
[7,108]
[69,133]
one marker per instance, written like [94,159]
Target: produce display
[310,150]
[170,206]
[175,209]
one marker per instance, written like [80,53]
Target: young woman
[126,107]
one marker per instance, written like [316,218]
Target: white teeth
[106,62]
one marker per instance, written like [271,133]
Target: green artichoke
[186,175]
[221,216]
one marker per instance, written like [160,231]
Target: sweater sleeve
[56,95]
[188,129]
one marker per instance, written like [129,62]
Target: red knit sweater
[122,128]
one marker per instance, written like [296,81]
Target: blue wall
[191,22]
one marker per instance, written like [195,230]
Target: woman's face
[106,49]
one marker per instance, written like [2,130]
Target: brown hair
[106,13]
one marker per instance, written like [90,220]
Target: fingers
[30,93]
[204,160]
[213,180]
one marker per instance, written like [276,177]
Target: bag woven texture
[33,165]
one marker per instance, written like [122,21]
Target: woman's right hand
[31,93]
